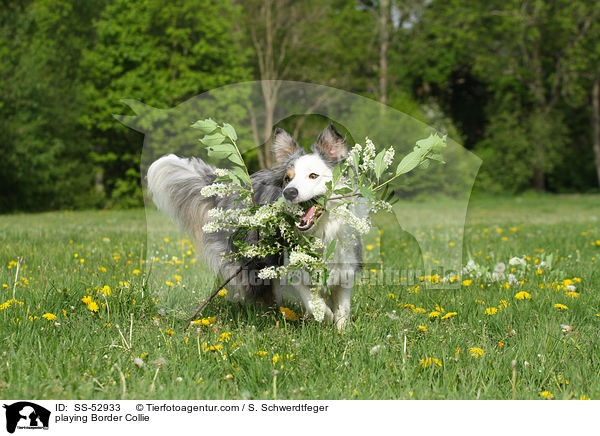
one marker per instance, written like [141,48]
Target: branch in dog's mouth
[311,215]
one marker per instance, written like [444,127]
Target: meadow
[87,317]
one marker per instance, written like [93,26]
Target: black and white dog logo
[26,415]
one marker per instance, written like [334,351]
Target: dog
[175,184]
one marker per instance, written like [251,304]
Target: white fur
[309,188]
[329,227]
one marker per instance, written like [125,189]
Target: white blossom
[368,156]
[300,258]
[317,306]
[217,189]
[388,157]
[514,261]
[269,272]
[221,172]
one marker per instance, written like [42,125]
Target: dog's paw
[341,318]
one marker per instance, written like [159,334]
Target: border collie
[299,177]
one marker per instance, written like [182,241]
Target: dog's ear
[283,146]
[331,145]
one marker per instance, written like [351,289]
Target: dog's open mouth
[309,217]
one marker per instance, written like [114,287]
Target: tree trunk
[539,181]
[596,123]
[384,6]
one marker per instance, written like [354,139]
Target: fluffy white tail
[175,186]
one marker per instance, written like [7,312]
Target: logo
[26,415]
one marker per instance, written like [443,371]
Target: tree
[44,148]
[159,53]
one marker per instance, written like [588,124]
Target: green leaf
[233,157]
[218,154]
[330,249]
[437,157]
[337,171]
[205,126]
[379,167]
[212,140]
[367,193]
[432,143]
[241,174]
[409,162]
[229,131]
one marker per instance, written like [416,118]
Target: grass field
[405,340]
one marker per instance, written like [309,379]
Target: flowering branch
[361,181]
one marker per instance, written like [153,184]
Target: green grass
[84,355]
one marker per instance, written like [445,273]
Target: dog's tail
[175,186]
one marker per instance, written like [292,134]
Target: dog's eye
[313,176]
[286,180]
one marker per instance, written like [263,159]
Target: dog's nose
[290,193]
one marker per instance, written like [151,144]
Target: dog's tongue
[308,218]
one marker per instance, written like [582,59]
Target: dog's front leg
[341,297]
[313,303]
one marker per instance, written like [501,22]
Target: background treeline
[517,81]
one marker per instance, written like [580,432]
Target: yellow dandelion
[429,361]
[560,306]
[434,314]
[136,271]
[547,395]
[208,321]
[501,344]
[224,337]
[106,290]
[169,332]
[419,310]
[491,311]
[49,316]
[223,292]
[572,294]
[288,314]
[467,282]
[177,277]
[101,269]
[422,328]
[87,299]
[584,397]
[476,352]
[93,306]
[449,315]
[369,246]
[522,295]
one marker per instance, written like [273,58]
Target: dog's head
[305,175]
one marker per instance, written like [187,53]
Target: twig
[215,292]
[123,337]
[152,386]
[95,380]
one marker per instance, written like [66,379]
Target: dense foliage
[515,81]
